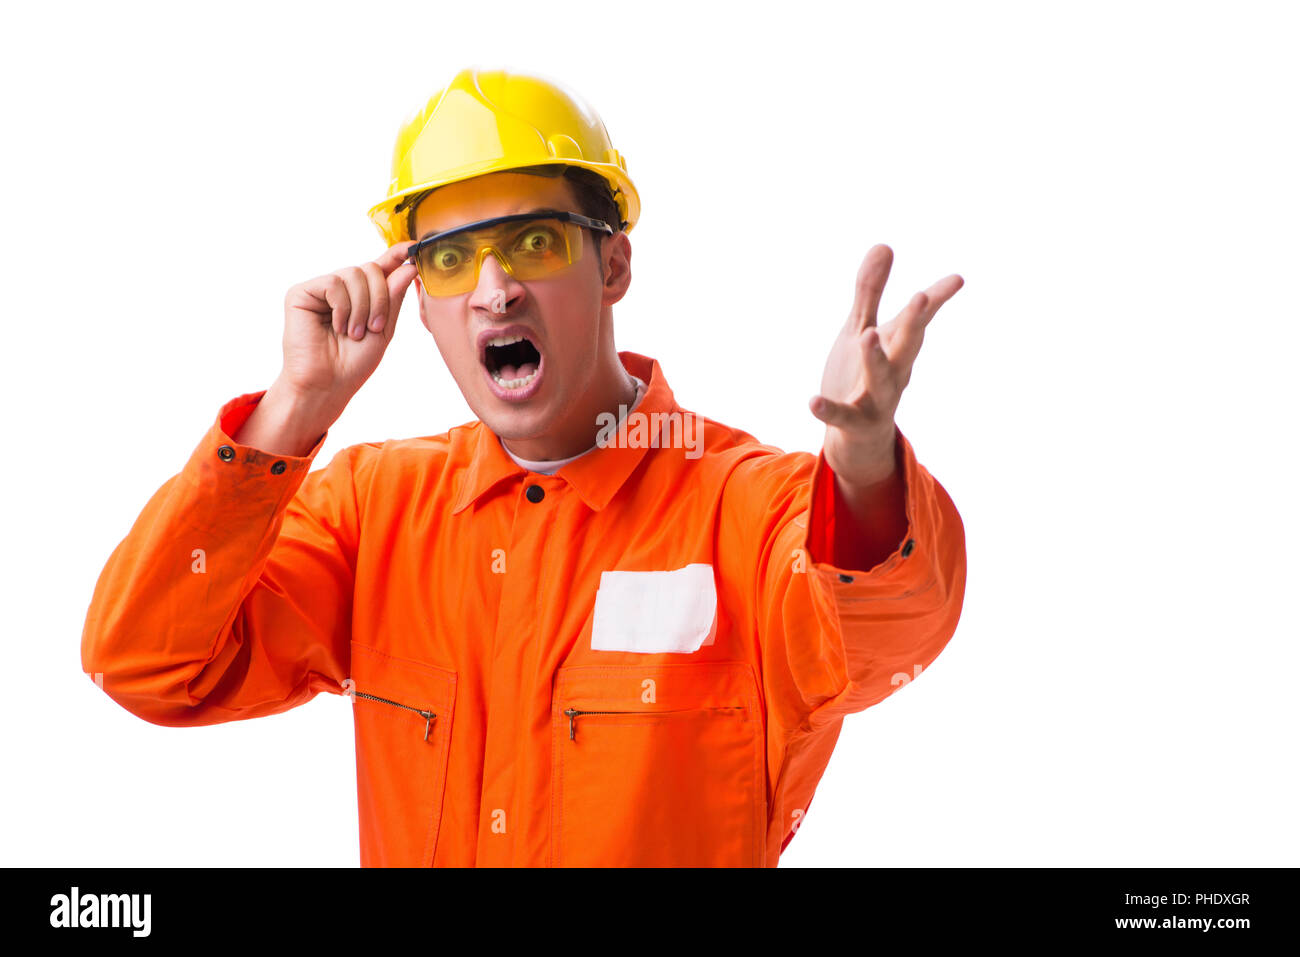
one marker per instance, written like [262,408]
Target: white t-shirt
[554,465]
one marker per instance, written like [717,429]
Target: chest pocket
[402,713]
[659,765]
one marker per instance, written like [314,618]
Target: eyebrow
[536,211]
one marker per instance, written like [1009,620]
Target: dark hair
[590,189]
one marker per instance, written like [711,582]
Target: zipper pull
[572,714]
[428,720]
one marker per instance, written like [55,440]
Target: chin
[511,423]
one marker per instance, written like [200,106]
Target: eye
[446,257]
[536,239]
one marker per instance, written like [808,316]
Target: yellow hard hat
[486,121]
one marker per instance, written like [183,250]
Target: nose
[496,289]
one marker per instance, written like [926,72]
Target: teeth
[510,383]
[514,383]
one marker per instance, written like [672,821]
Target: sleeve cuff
[820,534]
[231,418]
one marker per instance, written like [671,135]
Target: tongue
[509,372]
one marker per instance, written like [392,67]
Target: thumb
[837,414]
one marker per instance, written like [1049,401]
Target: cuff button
[277,468]
[847,579]
[907,548]
[226,453]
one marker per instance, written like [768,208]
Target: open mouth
[512,361]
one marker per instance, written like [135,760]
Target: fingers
[878,362]
[872,275]
[909,328]
[941,292]
[393,256]
[358,286]
[347,293]
[394,277]
[361,298]
[907,332]
[873,380]
[378,290]
[334,291]
[398,281]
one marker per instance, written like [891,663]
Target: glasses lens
[541,247]
[447,266]
[534,248]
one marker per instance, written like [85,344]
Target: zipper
[428,716]
[572,714]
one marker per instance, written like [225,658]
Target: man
[588,628]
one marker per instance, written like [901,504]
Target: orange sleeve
[835,640]
[881,626]
[231,596]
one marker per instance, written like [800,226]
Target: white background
[1110,400]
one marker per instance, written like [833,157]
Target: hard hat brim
[391,216]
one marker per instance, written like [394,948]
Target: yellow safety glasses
[528,246]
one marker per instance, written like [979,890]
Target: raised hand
[337,326]
[867,370]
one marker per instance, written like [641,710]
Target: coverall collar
[596,476]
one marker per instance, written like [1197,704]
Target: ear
[615,267]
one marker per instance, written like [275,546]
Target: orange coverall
[643,659]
